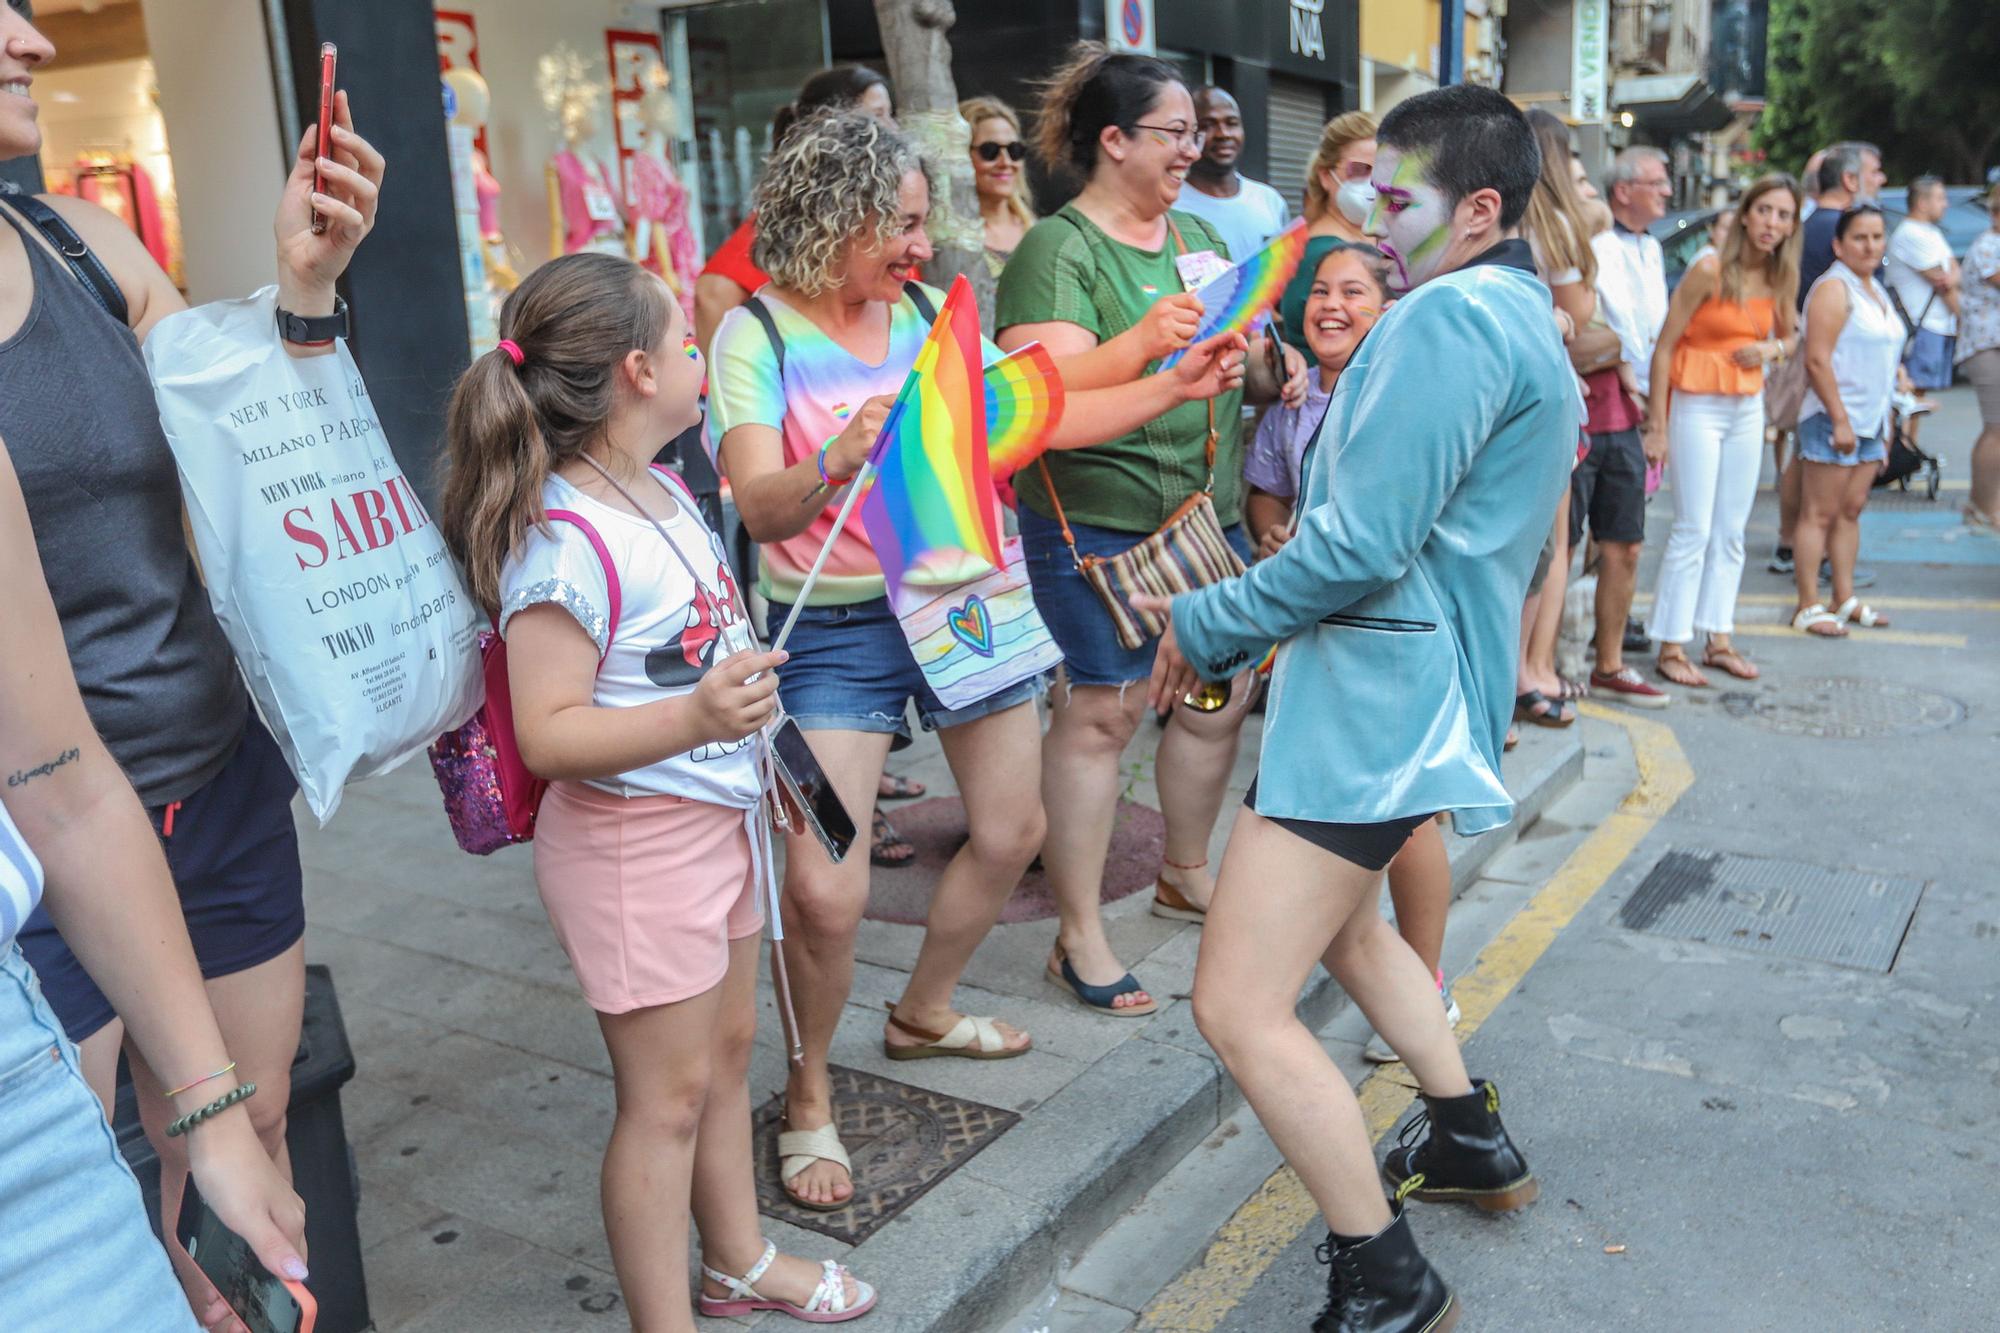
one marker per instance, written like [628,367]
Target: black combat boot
[1465,1158]
[1383,1285]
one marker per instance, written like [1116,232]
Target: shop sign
[458,48]
[1588,22]
[1306,36]
[637,59]
[1128,25]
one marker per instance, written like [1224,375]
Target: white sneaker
[1377,1051]
[1910,405]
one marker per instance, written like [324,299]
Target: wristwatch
[315,330]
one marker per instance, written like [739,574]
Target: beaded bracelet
[241,1092]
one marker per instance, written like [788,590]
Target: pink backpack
[490,797]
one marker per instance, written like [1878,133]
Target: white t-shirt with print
[1917,246]
[669,631]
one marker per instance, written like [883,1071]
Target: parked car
[1681,236]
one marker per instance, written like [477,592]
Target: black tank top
[78,419]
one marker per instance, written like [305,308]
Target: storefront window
[103,139]
[746,58]
[568,133]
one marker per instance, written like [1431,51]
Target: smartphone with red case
[265,1302]
[323,146]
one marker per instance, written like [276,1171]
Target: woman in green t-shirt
[1101,284]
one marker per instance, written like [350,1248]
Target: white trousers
[1715,450]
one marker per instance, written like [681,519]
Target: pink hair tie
[513,351]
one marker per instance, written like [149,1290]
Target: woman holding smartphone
[79,1253]
[156,675]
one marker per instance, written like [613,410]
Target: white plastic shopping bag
[357,638]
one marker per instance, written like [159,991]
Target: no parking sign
[1128,25]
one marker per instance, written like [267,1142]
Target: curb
[1002,1228]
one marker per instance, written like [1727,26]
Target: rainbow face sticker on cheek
[689,350]
[1410,217]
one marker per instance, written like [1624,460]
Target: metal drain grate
[1844,708]
[903,1141]
[1787,908]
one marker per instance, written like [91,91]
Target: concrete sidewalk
[484,1097]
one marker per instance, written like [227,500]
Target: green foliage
[1915,76]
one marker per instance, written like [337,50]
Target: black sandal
[896,787]
[1536,707]
[890,850]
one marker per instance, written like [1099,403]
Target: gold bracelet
[203,1079]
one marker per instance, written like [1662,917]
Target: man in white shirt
[1608,488]
[1248,213]
[1924,277]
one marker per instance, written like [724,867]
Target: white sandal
[827,1306]
[799,1149]
[1857,612]
[1817,614]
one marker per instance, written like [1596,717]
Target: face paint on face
[1410,220]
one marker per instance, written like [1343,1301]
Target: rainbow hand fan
[1233,298]
[1024,401]
[933,492]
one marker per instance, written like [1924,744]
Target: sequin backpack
[490,797]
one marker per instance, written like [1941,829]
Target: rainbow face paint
[1410,218]
[689,350]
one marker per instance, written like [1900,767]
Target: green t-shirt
[1068,270]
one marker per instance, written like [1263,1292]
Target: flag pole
[854,489]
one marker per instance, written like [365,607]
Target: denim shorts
[1081,626]
[80,1253]
[851,670]
[1816,444]
[234,854]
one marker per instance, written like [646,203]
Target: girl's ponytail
[509,426]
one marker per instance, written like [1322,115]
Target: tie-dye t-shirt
[823,386]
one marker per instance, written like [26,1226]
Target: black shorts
[1370,846]
[1608,488]
[234,855]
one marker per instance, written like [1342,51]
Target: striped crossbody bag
[1188,551]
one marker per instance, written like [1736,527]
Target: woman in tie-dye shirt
[841,213]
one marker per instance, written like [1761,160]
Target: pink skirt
[645,893]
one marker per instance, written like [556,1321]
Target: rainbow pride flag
[1024,401]
[1232,300]
[933,493]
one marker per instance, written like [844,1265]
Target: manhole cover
[1844,708]
[903,1141]
[1789,908]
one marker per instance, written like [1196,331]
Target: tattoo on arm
[22,777]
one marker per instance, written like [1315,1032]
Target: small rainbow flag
[1232,300]
[933,491]
[1024,401]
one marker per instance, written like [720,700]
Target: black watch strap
[314,329]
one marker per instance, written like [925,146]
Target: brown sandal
[1170,904]
[1663,669]
[1731,661]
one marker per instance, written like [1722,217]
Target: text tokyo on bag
[355,635]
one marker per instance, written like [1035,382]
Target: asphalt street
[1730,1134]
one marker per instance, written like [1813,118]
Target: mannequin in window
[584,212]
[657,201]
[474,102]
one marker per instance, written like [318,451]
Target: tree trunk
[913,37]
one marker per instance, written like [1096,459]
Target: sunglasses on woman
[990,152]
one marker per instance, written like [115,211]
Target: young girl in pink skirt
[638,693]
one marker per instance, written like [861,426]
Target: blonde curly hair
[837,176]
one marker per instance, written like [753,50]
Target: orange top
[1703,359]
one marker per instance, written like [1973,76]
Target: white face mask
[1355,199]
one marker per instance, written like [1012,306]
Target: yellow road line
[1890,603]
[1246,1245]
[1855,634]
